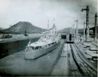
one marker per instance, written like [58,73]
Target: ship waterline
[37,53]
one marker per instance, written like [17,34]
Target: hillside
[66,30]
[1,30]
[22,27]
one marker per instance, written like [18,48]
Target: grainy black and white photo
[50,38]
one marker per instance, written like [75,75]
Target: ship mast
[54,25]
[25,32]
[48,24]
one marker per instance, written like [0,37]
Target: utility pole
[77,29]
[95,26]
[87,21]
[84,26]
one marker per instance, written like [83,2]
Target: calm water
[12,47]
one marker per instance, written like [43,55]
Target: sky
[62,13]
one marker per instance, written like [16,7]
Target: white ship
[47,42]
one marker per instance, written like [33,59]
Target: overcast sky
[61,12]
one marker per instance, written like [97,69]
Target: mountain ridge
[22,27]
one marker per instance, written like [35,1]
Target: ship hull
[35,54]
